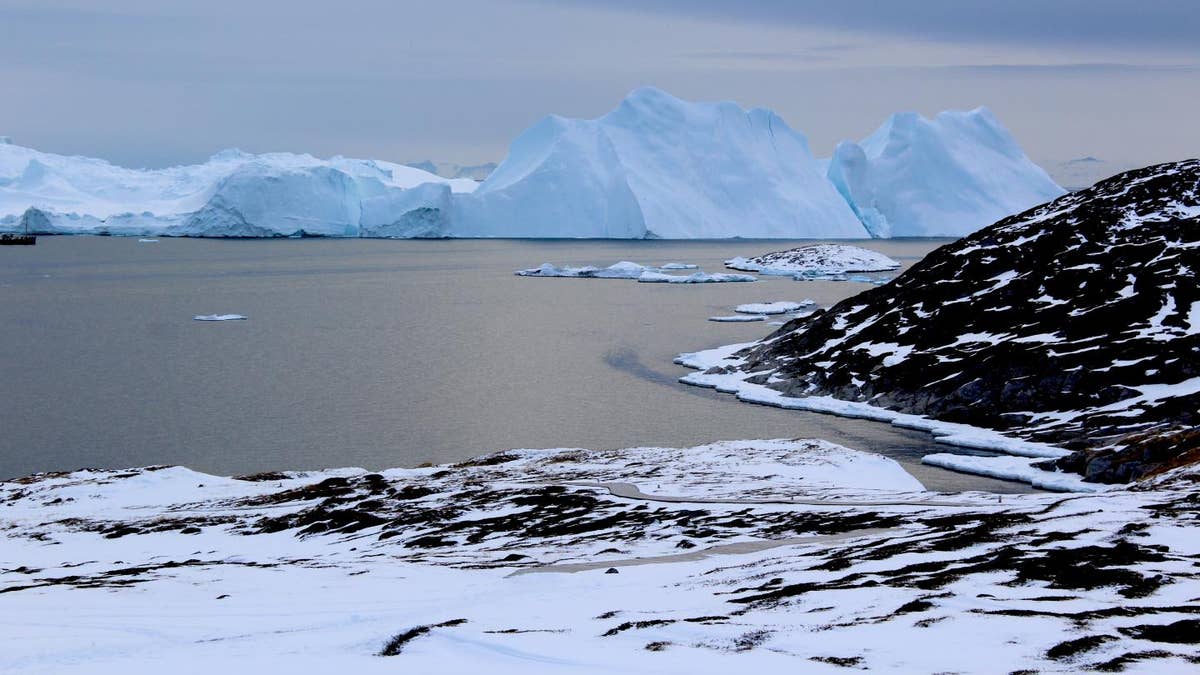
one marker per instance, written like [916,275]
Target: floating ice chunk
[778,307]
[652,277]
[621,270]
[679,266]
[147,241]
[632,270]
[738,318]
[218,317]
[815,260]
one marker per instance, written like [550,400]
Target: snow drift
[945,177]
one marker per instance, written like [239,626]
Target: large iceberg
[233,194]
[945,177]
[659,167]
[655,167]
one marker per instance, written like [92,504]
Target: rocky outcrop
[1076,322]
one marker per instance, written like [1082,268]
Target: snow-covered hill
[658,166]
[1075,323]
[779,556]
[233,194]
[945,177]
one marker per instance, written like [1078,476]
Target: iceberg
[945,177]
[658,167]
[233,194]
[738,318]
[815,261]
[655,167]
[651,277]
[621,270]
[218,317]
[778,307]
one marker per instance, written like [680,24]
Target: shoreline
[1015,462]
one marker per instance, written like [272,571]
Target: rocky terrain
[770,555]
[1075,323]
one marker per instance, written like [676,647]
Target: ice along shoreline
[717,369]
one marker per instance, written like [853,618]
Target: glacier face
[945,177]
[233,194]
[659,167]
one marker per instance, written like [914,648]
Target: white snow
[97,575]
[948,176]
[218,317]
[776,307]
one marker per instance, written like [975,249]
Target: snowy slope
[746,556]
[948,176]
[659,167]
[232,194]
[1077,322]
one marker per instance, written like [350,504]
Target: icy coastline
[721,369]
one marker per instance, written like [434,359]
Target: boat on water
[17,239]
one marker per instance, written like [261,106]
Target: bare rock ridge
[1076,322]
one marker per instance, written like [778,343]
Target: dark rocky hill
[1076,322]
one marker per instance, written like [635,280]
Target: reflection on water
[378,353]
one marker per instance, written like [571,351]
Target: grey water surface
[380,353]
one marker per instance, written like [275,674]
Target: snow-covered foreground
[796,555]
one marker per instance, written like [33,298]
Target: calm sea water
[378,353]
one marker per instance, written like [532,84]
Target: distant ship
[18,238]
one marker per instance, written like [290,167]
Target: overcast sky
[156,82]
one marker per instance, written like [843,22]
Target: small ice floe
[651,277]
[147,241]
[218,317]
[621,270]
[738,318]
[778,307]
[632,270]
[816,261]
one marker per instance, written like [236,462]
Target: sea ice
[815,260]
[218,317]
[738,318]
[652,277]
[778,307]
